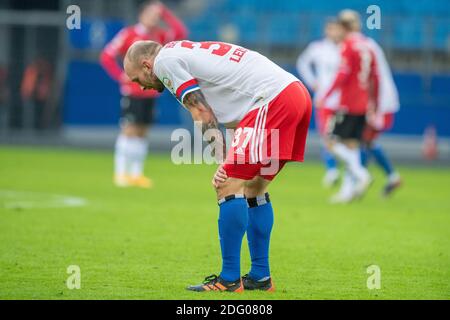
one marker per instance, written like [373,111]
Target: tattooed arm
[205,119]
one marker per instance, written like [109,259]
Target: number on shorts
[237,137]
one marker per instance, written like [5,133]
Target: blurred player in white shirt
[318,65]
[381,118]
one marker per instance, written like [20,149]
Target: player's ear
[146,64]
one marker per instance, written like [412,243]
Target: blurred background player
[382,117]
[318,65]
[4,97]
[35,92]
[357,79]
[137,105]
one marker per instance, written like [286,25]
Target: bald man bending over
[270,110]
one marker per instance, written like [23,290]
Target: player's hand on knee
[219,177]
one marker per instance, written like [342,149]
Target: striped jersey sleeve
[174,74]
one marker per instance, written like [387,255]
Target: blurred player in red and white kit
[318,65]
[270,110]
[137,105]
[358,82]
[381,118]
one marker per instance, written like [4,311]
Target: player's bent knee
[130,130]
[352,144]
[141,131]
[232,186]
[330,143]
[256,187]
[134,130]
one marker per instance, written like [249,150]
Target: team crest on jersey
[168,83]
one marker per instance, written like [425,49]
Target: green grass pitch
[150,244]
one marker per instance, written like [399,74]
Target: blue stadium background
[419,28]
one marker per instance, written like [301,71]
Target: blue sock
[365,156]
[328,159]
[260,223]
[233,221]
[382,159]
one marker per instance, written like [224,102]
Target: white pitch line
[30,200]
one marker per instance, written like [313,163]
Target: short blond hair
[350,19]
[142,49]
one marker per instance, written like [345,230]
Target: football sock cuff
[231,197]
[258,201]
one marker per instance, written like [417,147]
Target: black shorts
[348,126]
[137,111]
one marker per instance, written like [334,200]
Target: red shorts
[269,137]
[323,117]
[371,134]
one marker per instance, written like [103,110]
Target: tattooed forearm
[194,99]
[204,117]
[196,103]
[209,125]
